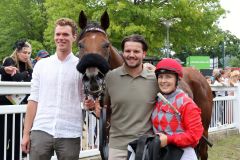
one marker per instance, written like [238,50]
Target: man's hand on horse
[97,108]
[149,67]
[93,105]
[89,104]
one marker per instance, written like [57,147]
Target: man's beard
[133,66]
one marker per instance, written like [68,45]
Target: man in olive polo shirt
[131,90]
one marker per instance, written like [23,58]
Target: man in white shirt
[53,119]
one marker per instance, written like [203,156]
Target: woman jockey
[176,118]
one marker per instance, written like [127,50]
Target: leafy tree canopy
[195,32]
[20,19]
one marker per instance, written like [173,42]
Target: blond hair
[234,73]
[28,64]
[67,22]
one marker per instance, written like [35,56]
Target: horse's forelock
[90,25]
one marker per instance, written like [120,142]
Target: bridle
[95,29]
[93,68]
[96,76]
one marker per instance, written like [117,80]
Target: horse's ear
[105,21]
[82,20]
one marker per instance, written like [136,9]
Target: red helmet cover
[170,65]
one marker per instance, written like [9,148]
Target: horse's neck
[115,59]
[186,88]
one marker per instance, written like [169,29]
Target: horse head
[93,37]
[94,47]
[93,42]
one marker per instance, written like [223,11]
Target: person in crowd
[234,78]
[53,120]
[19,69]
[226,74]
[41,54]
[219,81]
[130,94]
[8,70]
[180,122]
[20,59]
[209,80]
[232,81]
[214,73]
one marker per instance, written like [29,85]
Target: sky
[232,20]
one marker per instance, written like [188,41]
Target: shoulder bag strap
[156,148]
[140,147]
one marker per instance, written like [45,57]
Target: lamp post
[223,52]
[168,23]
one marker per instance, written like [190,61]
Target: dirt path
[226,149]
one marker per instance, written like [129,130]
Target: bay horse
[93,39]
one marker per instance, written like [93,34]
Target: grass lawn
[225,149]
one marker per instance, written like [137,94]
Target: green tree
[197,29]
[235,62]
[58,9]
[21,19]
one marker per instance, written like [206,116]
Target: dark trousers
[9,137]
[43,146]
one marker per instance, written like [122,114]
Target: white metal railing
[225,115]
[89,146]
[226,110]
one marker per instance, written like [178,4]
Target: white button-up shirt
[57,87]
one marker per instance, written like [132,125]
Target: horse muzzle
[93,81]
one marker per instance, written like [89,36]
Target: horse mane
[91,26]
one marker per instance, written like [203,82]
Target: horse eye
[106,45]
[80,46]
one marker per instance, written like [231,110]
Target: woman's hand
[163,139]
[10,70]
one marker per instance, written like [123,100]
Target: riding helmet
[169,65]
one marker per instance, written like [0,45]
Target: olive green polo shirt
[132,101]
